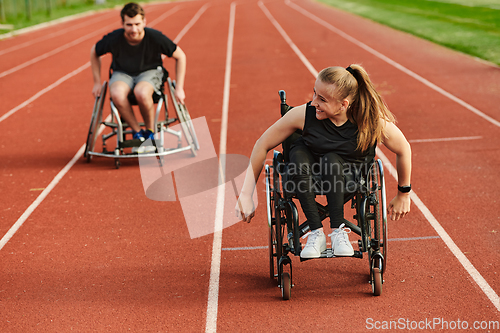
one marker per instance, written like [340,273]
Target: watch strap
[404,189]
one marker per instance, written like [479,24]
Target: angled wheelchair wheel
[374,216]
[271,223]
[279,220]
[95,121]
[378,209]
[185,120]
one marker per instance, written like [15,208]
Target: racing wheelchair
[366,193]
[121,131]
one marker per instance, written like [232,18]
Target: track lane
[92,273]
[107,277]
[240,304]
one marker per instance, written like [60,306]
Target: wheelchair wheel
[271,222]
[95,121]
[185,120]
[286,286]
[378,209]
[292,224]
[279,224]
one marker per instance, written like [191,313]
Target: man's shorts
[152,76]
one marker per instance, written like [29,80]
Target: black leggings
[304,170]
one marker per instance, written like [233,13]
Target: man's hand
[96,90]
[399,206]
[180,95]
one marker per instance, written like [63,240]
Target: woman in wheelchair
[340,129]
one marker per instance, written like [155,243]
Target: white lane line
[462,138]
[294,47]
[54,51]
[164,15]
[45,193]
[213,288]
[46,24]
[43,91]
[52,35]
[191,23]
[412,238]
[473,272]
[245,248]
[490,293]
[393,63]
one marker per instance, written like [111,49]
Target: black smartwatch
[404,189]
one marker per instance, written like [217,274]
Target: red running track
[97,255]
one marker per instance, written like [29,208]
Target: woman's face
[326,104]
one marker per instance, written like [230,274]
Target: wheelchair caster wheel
[117,163]
[286,286]
[376,278]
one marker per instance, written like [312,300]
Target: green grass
[469,26]
[40,15]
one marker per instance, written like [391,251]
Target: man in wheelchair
[137,55]
[340,129]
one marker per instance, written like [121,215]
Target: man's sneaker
[144,135]
[138,135]
[147,134]
[316,243]
[341,245]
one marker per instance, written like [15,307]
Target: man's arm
[180,73]
[95,63]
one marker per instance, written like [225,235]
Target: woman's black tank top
[323,136]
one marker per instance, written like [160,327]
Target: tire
[184,120]
[376,277]
[286,286]
[271,222]
[95,121]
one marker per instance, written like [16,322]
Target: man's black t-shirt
[135,59]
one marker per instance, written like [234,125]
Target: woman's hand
[399,206]
[245,208]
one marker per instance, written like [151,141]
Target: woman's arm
[396,142]
[273,136]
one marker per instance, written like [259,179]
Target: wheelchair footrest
[328,253]
[131,143]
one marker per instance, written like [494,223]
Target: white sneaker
[316,243]
[341,245]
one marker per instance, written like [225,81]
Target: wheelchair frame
[119,129]
[368,200]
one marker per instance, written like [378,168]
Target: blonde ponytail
[366,109]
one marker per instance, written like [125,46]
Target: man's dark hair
[131,10]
